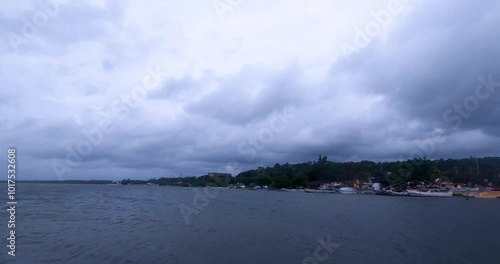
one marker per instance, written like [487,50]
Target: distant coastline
[65,181]
[467,171]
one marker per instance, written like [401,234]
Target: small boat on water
[292,190]
[237,186]
[319,191]
[394,190]
[376,187]
[465,191]
[347,190]
[395,193]
[430,192]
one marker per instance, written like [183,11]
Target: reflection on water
[61,223]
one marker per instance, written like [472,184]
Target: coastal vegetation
[483,171]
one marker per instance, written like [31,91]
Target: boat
[319,191]
[376,187]
[292,190]
[466,191]
[347,190]
[430,192]
[392,192]
[237,186]
[383,191]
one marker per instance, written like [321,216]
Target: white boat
[292,190]
[391,192]
[319,191]
[237,186]
[435,192]
[347,190]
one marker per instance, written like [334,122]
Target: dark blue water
[138,224]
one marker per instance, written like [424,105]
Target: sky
[108,89]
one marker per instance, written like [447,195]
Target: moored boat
[347,190]
[430,192]
[292,190]
[395,193]
[319,191]
[465,191]
[394,190]
[376,187]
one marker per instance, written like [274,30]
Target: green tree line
[287,175]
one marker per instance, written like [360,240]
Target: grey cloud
[434,61]
[71,23]
[252,94]
[391,95]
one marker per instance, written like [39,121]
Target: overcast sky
[102,89]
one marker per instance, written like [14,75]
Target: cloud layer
[184,90]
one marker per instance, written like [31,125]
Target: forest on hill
[483,171]
[462,171]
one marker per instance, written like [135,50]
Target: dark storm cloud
[252,94]
[434,61]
